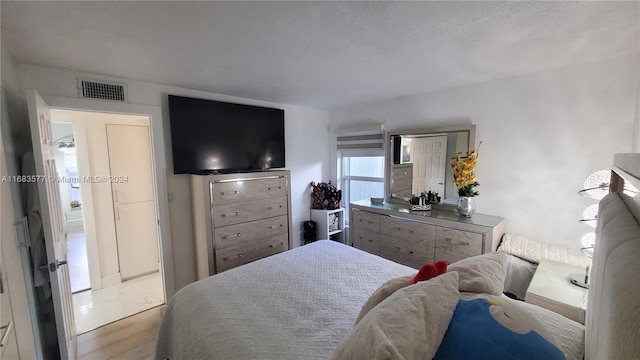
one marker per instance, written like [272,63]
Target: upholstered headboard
[613,308]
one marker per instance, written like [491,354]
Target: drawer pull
[411,231]
[227,258]
[269,208]
[465,244]
[227,236]
[269,187]
[272,227]
[233,214]
[230,193]
[398,248]
[270,245]
[370,240]
[399,228]
[411,252]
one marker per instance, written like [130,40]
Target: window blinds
[363,137]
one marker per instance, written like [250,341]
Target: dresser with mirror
[418,161]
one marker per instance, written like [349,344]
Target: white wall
[542,135]
[307,154]
[17,278]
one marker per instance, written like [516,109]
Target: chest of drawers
[240,218]
[416,238]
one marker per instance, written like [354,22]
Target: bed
[303,303]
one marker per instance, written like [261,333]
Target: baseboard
[111,280]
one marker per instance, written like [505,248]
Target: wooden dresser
[414,238]
[239,218]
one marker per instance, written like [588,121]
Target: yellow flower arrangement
[463,169]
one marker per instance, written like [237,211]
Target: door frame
[159,166]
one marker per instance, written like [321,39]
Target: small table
[551,289]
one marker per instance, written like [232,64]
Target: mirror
[418,161]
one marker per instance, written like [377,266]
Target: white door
[52,223]
[429,159]
[130,160]
[137,239]
[8,344]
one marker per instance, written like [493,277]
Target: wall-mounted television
[219,137]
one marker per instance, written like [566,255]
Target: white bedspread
[294,305]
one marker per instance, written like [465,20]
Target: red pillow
[428,271]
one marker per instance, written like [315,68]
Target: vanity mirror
[418,161]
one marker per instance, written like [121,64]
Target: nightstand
[551,289]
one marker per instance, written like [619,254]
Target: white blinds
[363,137]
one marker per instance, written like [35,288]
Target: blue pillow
[474,333]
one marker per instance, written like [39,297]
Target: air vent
[103,90]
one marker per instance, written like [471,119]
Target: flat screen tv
[218,137]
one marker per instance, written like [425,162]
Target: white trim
[361,130]
[157,139]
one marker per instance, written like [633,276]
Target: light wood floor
[130,338]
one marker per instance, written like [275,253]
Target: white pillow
[535,251]
[383,292]
[409,324]
[482,273]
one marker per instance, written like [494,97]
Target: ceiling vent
[103,90]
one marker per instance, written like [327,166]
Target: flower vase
[466,206]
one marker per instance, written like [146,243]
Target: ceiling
[317,54]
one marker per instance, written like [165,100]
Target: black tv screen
[218,137]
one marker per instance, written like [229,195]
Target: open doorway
[71,198]
[110,214]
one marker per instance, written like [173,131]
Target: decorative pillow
[382,293]
[482,273]
[409,324]
[428,271]
[535,251]
[491,329]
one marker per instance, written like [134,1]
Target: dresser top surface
[475,219]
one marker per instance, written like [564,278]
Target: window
[361,174]
[360,163]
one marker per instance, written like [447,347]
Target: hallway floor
[96,308]
[77,262]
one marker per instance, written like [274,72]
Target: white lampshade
[588,240]
[589,215]
[596,185]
